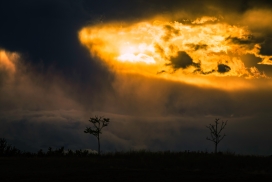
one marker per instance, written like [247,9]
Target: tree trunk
[215,150]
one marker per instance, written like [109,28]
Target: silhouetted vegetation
[216,136]
[60,165]
[8,150]
[98,124]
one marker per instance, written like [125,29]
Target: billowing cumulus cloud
[160,70]
[205,46]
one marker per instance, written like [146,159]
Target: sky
[160,70]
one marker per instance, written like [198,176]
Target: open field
[135,166]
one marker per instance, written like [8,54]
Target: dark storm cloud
[222,68]
[141,9]
[34,130]
[266,47]
[249,39]
[45,33]
[4,76]
[251,60]
[182,60]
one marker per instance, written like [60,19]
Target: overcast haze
[160,70]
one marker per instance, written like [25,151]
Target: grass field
[135,166]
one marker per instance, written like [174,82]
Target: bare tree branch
[98,124]
[216,138]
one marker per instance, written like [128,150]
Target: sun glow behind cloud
[7,61]
[199,52]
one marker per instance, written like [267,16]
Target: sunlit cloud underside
[203,52]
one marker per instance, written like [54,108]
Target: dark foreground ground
[139,166]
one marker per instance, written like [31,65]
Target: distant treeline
[6,150]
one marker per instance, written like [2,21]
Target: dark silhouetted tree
[8,150]
[216,130]
[98,124]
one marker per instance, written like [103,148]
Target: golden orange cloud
[198,52]
[7,61]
